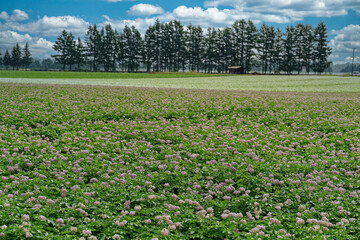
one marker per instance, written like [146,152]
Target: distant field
[282,83]
[99,75]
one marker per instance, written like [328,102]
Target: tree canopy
[174,47]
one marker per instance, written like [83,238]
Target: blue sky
[39,22]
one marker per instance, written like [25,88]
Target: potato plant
[92,162]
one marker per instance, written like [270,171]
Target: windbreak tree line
[17,58]
[173,47]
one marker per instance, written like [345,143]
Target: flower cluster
[134,163]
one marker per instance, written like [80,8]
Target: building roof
[235,67]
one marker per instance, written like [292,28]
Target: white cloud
[141,24]
[343,43]
[346,39]
[208,17]
[293,10]
[334,56]
[145,10]
[50,26]
[350,58]
[18,15]
[39,47]
[9,38]
[4,15]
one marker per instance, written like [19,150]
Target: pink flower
[60,221]
[37,206]
[41,198]
[151,197]
[25,217]
[274,220]
[165,232]
[116,237]
[87,232]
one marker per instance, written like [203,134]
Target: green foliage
[172,47]
[142,163]
[7,59]
[16,56]
[321,49]
[289,54]
[66,46]
[26,59]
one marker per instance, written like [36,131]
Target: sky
[39,22]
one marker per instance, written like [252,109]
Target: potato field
[100,162]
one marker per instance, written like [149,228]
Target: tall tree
[1,59]
[71,49]
[173,42]
[179,46]
[7,59]
[239,31]
[60,46]
[132,49]
[264,46]
[251,34]
[159,46]
[277,50]
[211,49]
[272,51]
[289,55]
[80,57]
[120,52]
[299,46]
[27,59]
[93,42]
[16,56]
[109,54]
[308,44]
[194,46]
[168,47]
[321,49]
[66,46]
[226,49]
[149,45]
[117,54]
[154,45]
[219,54]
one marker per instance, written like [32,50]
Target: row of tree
[17,58]
[350,68]
[174,47]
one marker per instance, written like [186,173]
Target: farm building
[236,70]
